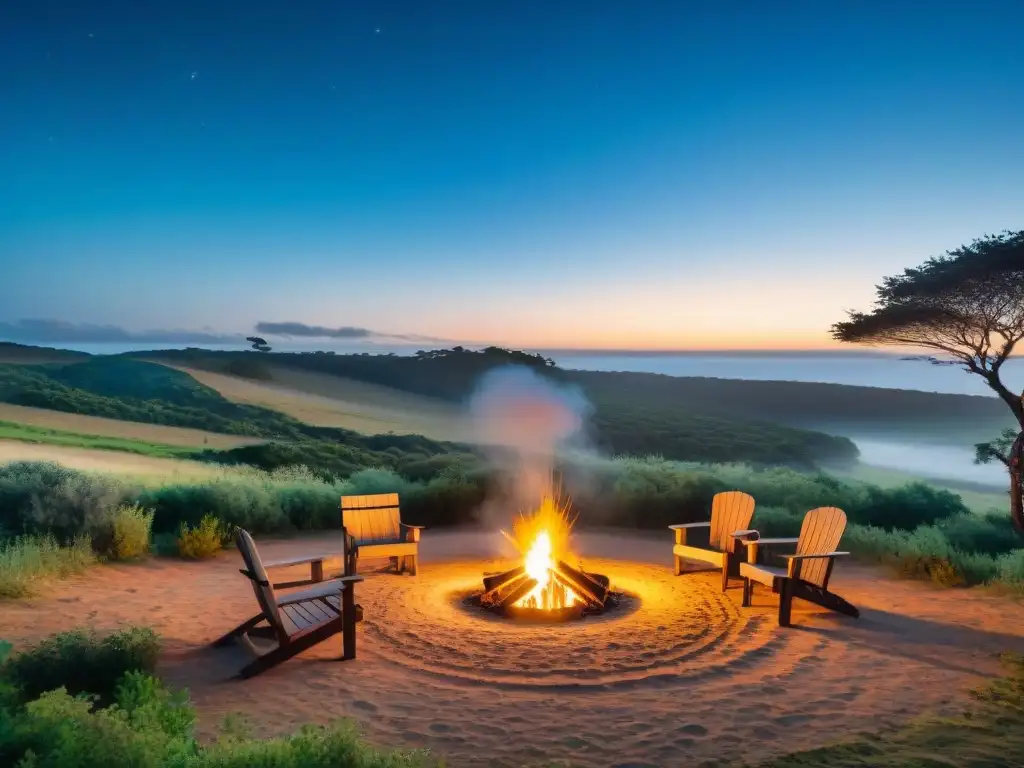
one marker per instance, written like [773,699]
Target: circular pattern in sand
[670,627]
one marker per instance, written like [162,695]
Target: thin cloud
[59,331]
[50,331]
[302,330]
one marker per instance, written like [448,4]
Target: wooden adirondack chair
[373,527]
[730,513]
[296,621]
[809,569]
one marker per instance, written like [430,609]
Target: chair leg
[291,648]
[348,626]
[785,602]
[678,564]
[748,591]
[241,629]
[725,576]
[415,564]
[396,563]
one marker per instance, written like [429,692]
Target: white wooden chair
[731,512]
[808,570]
[373,527]
[296,621]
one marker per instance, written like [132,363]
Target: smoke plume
[524,420]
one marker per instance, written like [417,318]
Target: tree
[969,305]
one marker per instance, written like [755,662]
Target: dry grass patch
[332,401]
[133,430]
[108,462]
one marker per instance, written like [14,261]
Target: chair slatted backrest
[820,534]
[374,518]
[260,582]
[730,511]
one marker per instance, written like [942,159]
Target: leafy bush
[41,497]
[132,526]
[204,540]
[148,726]
[81,662]
[27,561]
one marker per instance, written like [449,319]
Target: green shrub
[204,540]
[40,497]
[132,525]
[81,662]
[93,703]
[27,561]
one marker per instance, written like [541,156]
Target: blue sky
[604,174]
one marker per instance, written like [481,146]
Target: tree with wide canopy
[969,306]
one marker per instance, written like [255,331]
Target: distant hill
[17,354]
[621,423]
[836,409]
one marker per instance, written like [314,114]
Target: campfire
[545,586]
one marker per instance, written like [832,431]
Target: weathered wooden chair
[809,569]
[373,527]
[730,513]
[296,621]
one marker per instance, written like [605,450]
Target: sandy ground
[96,460]
[685,678]
[94,425]
[332,401]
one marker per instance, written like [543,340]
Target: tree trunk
[1016,485]
[1016,405]
[1015,402]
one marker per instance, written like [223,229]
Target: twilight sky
[717,174]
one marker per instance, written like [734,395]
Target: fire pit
[544,587]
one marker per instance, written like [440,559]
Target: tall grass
[27,562]
[920,530]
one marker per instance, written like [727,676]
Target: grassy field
[95,426]
[332,401]
[44,436]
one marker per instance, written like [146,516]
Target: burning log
[496,580]
[522,587]
[505,592]
[593,590]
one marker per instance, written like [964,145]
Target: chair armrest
[777,541]
[747,535]
[417,527]
[299,560]
[814,556]
[327,589]
[683,526]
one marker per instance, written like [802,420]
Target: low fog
[939,462]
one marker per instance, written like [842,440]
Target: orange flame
[544,537]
